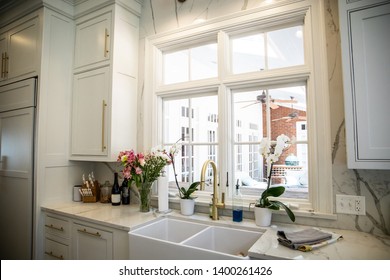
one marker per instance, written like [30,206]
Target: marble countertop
[354,245]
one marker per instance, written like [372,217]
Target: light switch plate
[350,204]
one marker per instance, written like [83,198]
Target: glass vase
[145,190]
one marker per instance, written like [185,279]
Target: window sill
[202,206]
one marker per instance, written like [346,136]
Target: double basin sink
[170,238]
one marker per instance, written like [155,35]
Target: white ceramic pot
[187,206]
[263,216]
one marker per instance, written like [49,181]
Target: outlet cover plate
[350,204]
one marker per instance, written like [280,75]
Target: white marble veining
[354,245]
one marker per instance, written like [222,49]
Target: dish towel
[307,239]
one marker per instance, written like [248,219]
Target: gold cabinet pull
[6,65]
[2,65]
[106,35]
[54,256]
[103,124]
[53,227]
[97,234]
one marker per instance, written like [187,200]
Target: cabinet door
[367,86]
[22,53]
[89,243]
[93,41]
[90,116]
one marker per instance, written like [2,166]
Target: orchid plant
[171,154]
[271,154]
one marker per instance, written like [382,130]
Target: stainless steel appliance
[17,113]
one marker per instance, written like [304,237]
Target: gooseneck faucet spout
[216,203]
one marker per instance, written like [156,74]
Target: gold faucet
[216,204]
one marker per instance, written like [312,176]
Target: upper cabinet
[19,48]
[104,109]
[93,41]
[365,44]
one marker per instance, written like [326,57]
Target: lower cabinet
[91,243]
[55,250]
[70,238]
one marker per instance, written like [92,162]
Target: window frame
[313,73]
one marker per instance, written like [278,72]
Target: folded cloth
[300,239]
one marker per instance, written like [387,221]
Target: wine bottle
[237,204]
[115,191]
[125,192]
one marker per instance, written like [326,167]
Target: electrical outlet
[350,204]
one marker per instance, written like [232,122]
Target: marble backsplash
[167,15]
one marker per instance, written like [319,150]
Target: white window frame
[314,72]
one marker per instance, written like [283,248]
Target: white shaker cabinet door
[366,62]
[89,243]
[90,116]
[93,41]
[19,48]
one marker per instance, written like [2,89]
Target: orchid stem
[269,176]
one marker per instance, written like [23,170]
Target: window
[268,50]
[280,110]
[199,135]
[268,80]
[190,64]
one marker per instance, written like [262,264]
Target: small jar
[105,192]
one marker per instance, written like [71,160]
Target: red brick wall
[282,127]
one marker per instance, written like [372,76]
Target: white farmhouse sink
[170,230]
[225,240]
[170,238]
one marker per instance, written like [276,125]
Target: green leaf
[273,191]
[288,211]
[186,193]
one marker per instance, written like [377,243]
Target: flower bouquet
[143,170]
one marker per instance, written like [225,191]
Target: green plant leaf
[186,193]
[288,211]
[274,191]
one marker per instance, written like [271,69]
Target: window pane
[285,114]
[269,50]
[198,124]
[248,54]
[189,163]
[248,116]
[176,122]
[205,120]
[190,64]
[204,62]
[285,47]
[175,67]
[288,112]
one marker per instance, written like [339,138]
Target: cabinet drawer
[55,250]
[58,227]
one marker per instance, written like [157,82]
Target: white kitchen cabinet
[104,116]
[71,238]
[366,66]
[91,243]
[57,237]
[90,113]
[93,41]
[19,48]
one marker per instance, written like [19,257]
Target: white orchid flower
[174,150]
